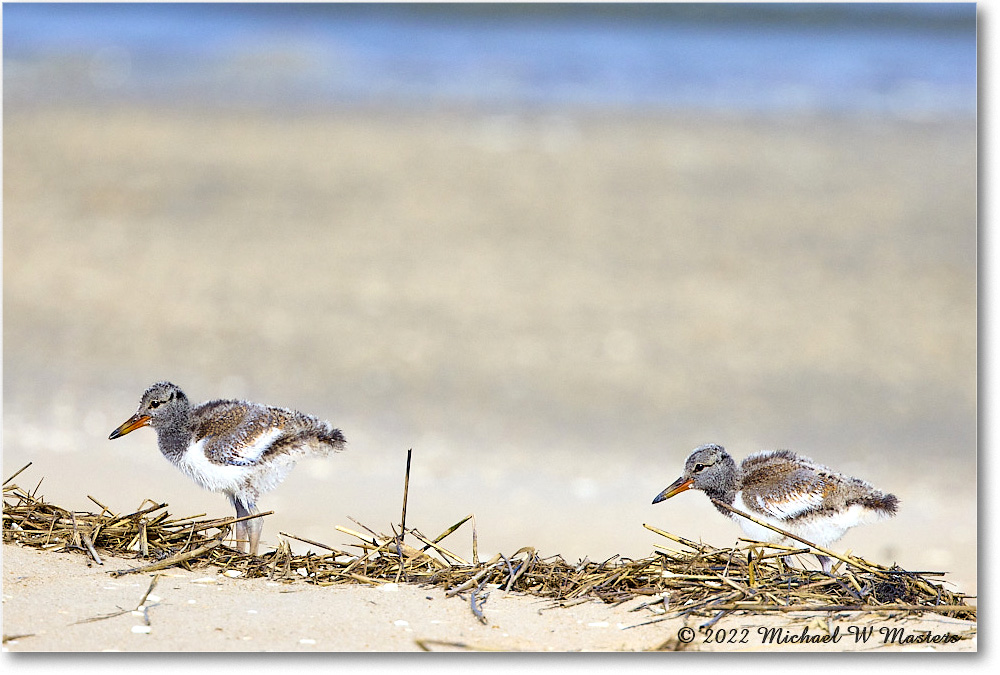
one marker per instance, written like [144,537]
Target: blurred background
[549,248]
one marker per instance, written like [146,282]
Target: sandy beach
[551,308]
[53,601]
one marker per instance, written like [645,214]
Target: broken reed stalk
[890,607]
[406,492]
[437,547]
[141,607]
[451,529]
[311,542]
[16,473]
[825,551]
[699,580]
[476,603]
[169,562]
[475,543]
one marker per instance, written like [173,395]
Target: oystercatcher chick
[786,490]
[238,448]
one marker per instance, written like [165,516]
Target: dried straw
[693,579]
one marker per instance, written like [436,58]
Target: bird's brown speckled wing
[243,434]
[785,486]
[237,432]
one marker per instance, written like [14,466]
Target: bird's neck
[725,488]
[174,437]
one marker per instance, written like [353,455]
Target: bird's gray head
[710,469]
[160,405]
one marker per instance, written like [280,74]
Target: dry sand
[551,308]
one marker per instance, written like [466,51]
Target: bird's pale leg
[241,537]
[254,528]
[825,562]
[243,527]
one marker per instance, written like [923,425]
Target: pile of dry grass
[693,579]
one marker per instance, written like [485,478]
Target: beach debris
[428,645]
[141,610]
[13,639]
[681,578]
[476,601]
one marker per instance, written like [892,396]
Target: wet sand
[550,308]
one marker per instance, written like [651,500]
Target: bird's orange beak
[678,486]
[131,424]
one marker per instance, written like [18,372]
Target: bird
[239,448]
[786,490]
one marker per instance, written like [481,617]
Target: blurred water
[904,60]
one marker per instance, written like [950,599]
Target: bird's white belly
[752,529]
[832,525]
[248,481]
[212,475]
[822,529]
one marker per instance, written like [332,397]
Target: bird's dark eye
[698,468]
[154,404]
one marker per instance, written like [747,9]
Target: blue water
[897,60]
